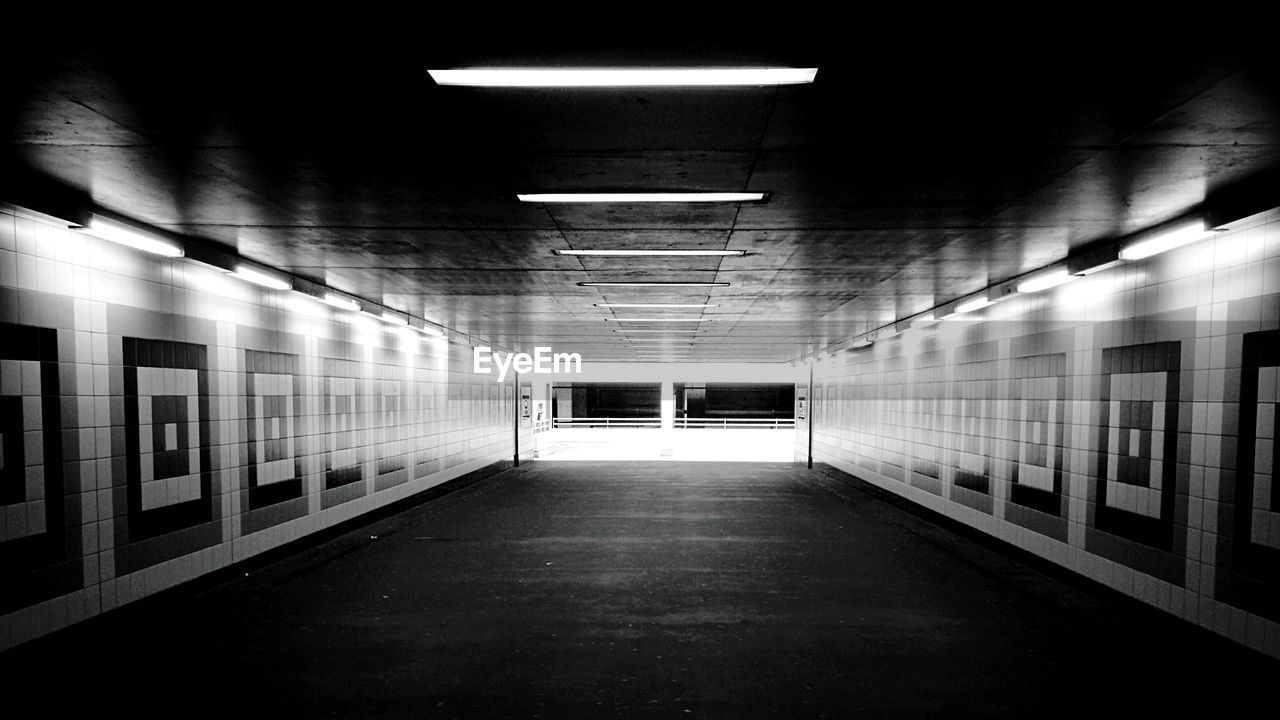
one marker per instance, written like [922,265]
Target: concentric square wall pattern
[159,420]
[1122,425]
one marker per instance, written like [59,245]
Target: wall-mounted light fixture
[1045,280]
[340,302]
[260,277]
[1164,239]
[129,235]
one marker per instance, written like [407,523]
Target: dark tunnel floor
[648,589]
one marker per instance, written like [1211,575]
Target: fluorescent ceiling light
[652,253]
[654,305]
[657,319]
[1174,237]
[393,319]
[644,330]
[1044,281]
[646,283]
[623,77]
[653,197]
[889,331]
[308,305]
[860,345]
[429,330]
[924,321]
[258,277]
[340,302]
[974,305]
[122,234]
[1099,268]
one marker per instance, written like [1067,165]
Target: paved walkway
[594,590]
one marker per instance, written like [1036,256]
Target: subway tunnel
[730,372]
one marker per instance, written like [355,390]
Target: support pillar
[668,408]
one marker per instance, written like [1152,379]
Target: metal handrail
[682,423]
[726,423]
[608,422]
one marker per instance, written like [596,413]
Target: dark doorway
[581,404]
[734,401]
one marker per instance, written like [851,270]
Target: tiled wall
[160,420]
[1122,425]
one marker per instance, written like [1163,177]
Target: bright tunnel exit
[735,412]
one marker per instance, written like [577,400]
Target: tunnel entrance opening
[606,405]
[734,405]
[746,422]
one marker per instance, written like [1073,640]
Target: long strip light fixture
[975,304]
[260,277]
[1164,240]
[1045,280]
[657,320]
[340,302]
[125,234]
[642,197]
[1170,236]
[651,284]
[665,306]
[133,235]
[652,253]
[532,77]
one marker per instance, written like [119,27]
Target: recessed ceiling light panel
[649,284]
[650,197]
[517,77]
[649,320]
[652,253]
[654,305]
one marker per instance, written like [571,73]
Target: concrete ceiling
[910,173]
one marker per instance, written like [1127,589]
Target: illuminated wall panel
[1122,425]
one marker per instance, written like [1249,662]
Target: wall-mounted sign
[800,407]
[526,404]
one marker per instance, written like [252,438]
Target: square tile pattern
[1136,477]
[1036,490]
[37,538]
[1123,425]
[1250,564]
[273,417]
[152,428]
[168,478]
[165,492]
[344,400]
